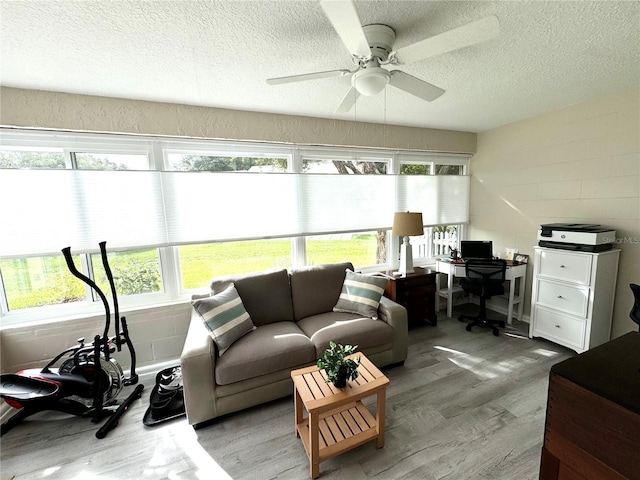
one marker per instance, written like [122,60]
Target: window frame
[157,150]
[355,155]
[432,161]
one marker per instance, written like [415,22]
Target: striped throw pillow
[225,317]
[361,294]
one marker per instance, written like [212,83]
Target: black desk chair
[635,310]
[484,278]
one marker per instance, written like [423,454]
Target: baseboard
[503,309]
[494,306]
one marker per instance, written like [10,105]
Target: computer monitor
[476,249]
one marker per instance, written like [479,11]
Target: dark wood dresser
[592,426]
[417,293]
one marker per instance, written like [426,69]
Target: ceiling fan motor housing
[370,80]
[381,39]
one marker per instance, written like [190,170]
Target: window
[218,162]
[109,161]
[345,167]
[51,165]
[438,239]
[40,281]
[134,272]
[177,212]
[30,157]
[415,169]
[200,263]
[449,169]
[362,249]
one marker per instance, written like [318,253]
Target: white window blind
[43,211]
[442,199]
[345,203]
[207,206]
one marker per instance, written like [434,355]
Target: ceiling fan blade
[344,18]
[308,76]
[414,86]
[348,101]
[461,37]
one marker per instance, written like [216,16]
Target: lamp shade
[407,224]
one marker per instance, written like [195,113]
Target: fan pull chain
[385,118]
[355,106]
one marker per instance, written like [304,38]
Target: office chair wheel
[495,332]
[468,328]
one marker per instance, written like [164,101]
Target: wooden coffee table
[337,420]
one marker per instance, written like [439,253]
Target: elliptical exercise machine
[88,379]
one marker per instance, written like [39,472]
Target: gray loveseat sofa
[294,319]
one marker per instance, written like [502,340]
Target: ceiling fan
[371,47]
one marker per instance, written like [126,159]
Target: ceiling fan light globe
[370,81]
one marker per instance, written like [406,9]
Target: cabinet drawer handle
[558,326]
[560,296]
[561,266]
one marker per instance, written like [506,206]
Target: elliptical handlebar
[74,271]
[114,295]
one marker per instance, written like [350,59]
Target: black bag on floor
[167,398]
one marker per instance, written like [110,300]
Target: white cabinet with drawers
[572,296]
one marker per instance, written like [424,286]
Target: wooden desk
[592,425]
[337,420]
[416,292]
[453,270]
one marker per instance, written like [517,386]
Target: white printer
[576,236]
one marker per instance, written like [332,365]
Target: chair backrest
[485,269]
[635,310]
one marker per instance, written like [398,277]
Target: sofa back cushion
[316,289]
[265,295]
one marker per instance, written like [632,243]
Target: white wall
[157,333]
[580,164]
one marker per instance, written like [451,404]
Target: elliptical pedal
[166,401]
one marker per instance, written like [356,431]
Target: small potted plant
[338,368]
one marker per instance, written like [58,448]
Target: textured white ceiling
[219,53]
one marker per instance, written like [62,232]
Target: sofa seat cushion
[267,349]
[345,328]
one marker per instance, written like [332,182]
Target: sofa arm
[396,315]
[198,362]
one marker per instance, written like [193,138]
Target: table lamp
[406,224]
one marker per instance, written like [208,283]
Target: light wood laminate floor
[464,406]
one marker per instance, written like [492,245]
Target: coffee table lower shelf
[340,430]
